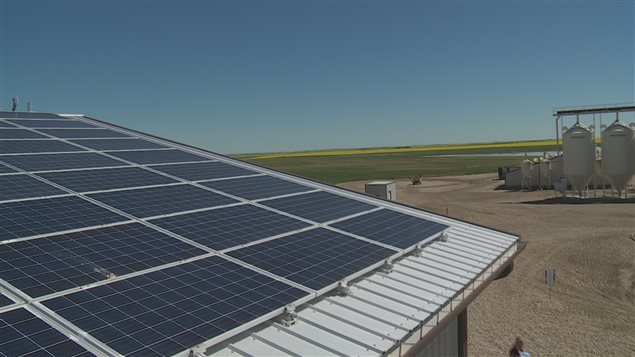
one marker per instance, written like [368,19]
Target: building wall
[445,344]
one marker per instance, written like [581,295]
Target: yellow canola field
[506,145]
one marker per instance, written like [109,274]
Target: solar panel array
[153,248]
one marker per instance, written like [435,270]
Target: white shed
[382,189]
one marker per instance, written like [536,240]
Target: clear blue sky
[258,76]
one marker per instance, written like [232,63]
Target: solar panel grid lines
[44,266]
[4,124]
[48,215]
[170,311]
[28,115]
[44,124]
[226,227]
[203,170]
[11,133]
[25,334]
[83,133]
[5,300]
[95,180]
[54,162]
[21,186]
[315,258]
[386,226]
[256,187]
[155,201]
[118,144]
[146,157]
[4,169]
[9,147]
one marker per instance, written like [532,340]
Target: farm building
[116,242]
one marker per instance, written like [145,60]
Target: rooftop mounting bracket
[289,316]
[343,289]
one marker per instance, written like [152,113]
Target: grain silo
[545,172]
[579,156]
[617,154]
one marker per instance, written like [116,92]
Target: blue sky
[257,76]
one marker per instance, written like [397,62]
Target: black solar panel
[19,134]
[118,144]
[256,187]
[390,227]
[23,186]
[35,146]
[314,258]
[318,206]
[24,334]
[5,301]
[169,311]
[203,170]
[28,218]
[52,123]
[6,170]
[28,115]
[4,124]
[43,266]
[147,202]
[83,133]
[106,179]
[157,156]
[229,227]
[61,161]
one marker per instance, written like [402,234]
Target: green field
[342,168]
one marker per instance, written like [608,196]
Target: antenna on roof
[15,103]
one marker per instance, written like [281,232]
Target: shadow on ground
[579,201]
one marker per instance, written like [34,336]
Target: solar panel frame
[203,170]
[229,227]
[318,206]
[52,123]
[24,186]
[98,132]
[9,133]
[53,162]
[146,157]
[168,311]
[314,258]
[107,179]
[4,124]
[36,146]
[56,263]
[5,300]
[24,334]
[156,201]
[390,227]
[4,169]
[257,187]
[28,115]
[51,215]
[118,144]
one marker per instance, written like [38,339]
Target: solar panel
[390,227]
[24,334]
[314,258]
[106,179]
[52,123]
[169,311]
[6,170]
[28,115]
[60,161]
[35,146]
[252,188]
[318,206]
[203,170]
[231,226]
[83,133]
[19,134]
[157,156]
[23,186]
[4,124]
[147,202]
[43,266]
[29,218]
[5,301]
[118,144]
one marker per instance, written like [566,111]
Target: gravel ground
[590,243]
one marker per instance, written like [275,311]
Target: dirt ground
[590,243]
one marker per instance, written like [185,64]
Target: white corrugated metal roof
[388,311]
